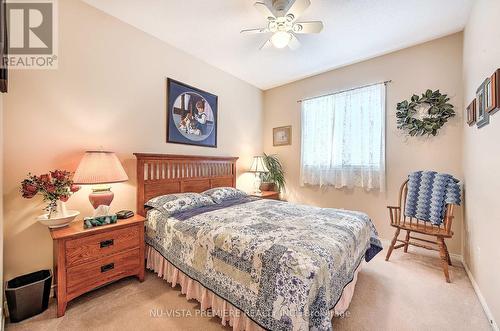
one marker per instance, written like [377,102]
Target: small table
[85,259]
[272,195]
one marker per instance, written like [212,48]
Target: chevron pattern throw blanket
[428,194]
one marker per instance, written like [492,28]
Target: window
[343,139]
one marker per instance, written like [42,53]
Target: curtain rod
[342,91]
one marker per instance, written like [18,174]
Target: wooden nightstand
[87,259]
[267,195]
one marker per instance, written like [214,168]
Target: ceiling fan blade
[298,7]
[260,6]
[253,31]
[294,42]
[266,45]
[308,27]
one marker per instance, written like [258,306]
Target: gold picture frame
[282,136]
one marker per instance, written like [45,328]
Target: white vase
[59,217]
[61,210]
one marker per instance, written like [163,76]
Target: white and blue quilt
[284,265]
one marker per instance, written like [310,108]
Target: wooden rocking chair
[409,224]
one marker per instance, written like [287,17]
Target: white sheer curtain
[343,139]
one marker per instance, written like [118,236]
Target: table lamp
[258,167]
[100,169]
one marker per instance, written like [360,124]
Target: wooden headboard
[159,174]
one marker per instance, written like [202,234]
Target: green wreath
[438,113]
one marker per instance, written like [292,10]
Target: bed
[257,264]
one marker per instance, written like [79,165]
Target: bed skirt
[229,314]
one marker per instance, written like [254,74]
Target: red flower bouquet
[54,186]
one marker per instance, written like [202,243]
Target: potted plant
[55,187]
[274,180]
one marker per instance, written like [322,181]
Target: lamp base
[256,184]
[101,196]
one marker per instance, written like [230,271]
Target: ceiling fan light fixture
[281,39]
[282,22]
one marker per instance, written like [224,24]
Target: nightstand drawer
[86,249]
[85,277]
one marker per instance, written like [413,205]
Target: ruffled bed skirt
[228,313]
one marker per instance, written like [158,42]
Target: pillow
[173,203]
[220,194]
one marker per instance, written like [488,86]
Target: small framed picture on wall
[493,89]
[282,136]
[490,94]
[471,113]
[483,117]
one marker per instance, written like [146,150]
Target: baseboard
[457,258]
[481,298]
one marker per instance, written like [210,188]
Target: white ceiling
[355,30]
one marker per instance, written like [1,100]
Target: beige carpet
[407,293]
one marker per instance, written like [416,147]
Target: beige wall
[109,91]
[434,65]
[482,157]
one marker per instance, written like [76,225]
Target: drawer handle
[107,243]
[107,267]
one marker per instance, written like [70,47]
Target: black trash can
[28,295]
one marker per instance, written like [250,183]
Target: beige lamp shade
[98,167]
[258,165]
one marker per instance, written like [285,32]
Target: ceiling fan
[284,24]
